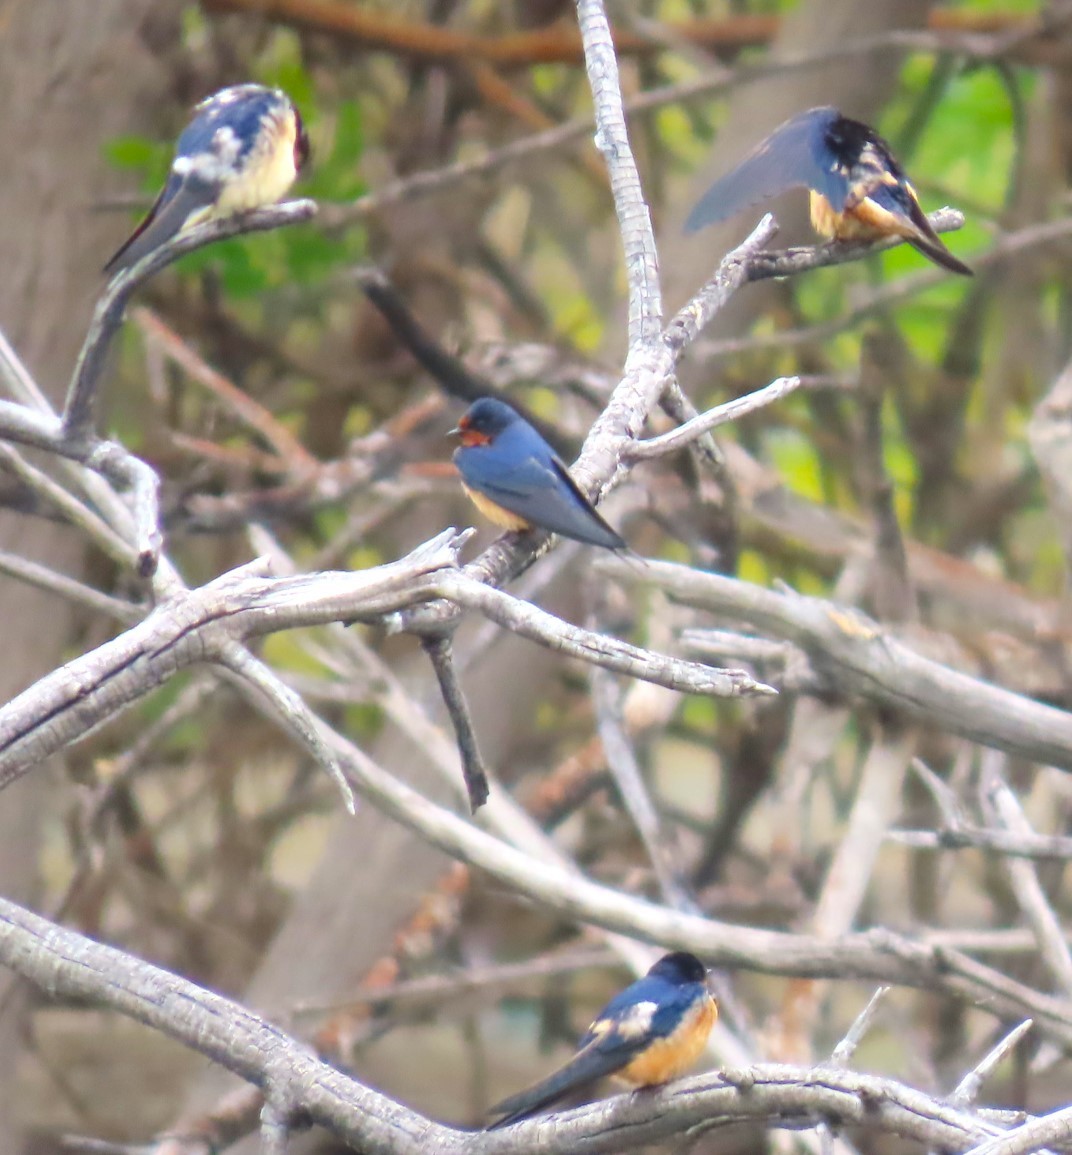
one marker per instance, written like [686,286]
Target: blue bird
[649,1034]
[518,481]
[858,190]
[243,149]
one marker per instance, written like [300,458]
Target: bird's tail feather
[937,252]
[583,1069]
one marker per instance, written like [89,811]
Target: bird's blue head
[679,967]
[484,420]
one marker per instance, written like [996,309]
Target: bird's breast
[824,218]
[671,1056]
[267,173]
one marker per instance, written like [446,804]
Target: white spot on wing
[637,1022]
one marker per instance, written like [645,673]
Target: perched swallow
[647,1035]
[858,190]
[517,480]
[243,149]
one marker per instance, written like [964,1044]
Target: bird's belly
[266,179]
[494,512]
[824,219]
[667,1058]
[864,221]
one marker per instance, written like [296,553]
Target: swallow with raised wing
[858,190]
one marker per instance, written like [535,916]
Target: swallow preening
[858,190]
[517,480]
[243,149]
[649,1034]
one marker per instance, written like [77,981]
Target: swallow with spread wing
[858,190]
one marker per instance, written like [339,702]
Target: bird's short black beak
[455,432]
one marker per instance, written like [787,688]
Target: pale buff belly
[495,512]
[266,179]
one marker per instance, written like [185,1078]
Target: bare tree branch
[1004,811]
[862,659]
[108,316]
[612,140]
[63,962]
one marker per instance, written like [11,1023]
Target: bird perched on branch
[649,1034]
[243,149]
[517,480]
[858,190]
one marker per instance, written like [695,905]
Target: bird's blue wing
[537,488]
[598,1057]
[796,153]
[242,110]
[181,198]
[669,1002]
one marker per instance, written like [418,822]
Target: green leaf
[133,152]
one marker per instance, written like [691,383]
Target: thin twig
[621,759]
[68,506]
[297,458]
[537,625]
[802,259]
[286,706]
[76,592]
[440,653]
[1002,809]
[1044,847]
[739,407]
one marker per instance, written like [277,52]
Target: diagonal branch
[440,653]
[861,658]
[108,315]
[198,626]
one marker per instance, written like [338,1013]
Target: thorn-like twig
[844,1051]
[968,1087]
[687,433]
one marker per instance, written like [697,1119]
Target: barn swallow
[649,1034]
[517,480]
[242,149]
[858,190]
